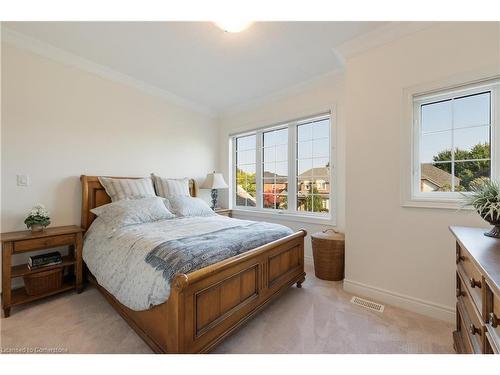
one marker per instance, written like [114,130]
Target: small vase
[495,231]
[37,228]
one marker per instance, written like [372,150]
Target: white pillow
[125,188]
[189,206]
[129,212]
[169,187]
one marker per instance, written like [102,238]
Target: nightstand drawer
[44,243]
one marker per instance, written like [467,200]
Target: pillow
[189,206]
[128,212]
[124,188]
[168,187]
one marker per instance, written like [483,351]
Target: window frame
[291,212]
[451,199]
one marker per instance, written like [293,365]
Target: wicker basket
[328,252]
[43,282]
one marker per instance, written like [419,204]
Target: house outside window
[285,168]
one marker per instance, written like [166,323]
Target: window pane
[320,166]
[304,132]
[472,143]
[304,150]
[281,153]
[269,201]
[435,147]
[321,148]
[282,168]
[304,202]
[282,201]
[246,143]
[269,169]
[304,167]
[321,129]
[435,177]
[269,154]
[281,137]
[471,110]
[320,203]
[467,172]
[245,157]
[320,185]
[436,116]
[269,139]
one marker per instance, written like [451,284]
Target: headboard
[94,195]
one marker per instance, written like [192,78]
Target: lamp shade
[214,181]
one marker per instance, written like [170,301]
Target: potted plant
[484,197]
[38,218]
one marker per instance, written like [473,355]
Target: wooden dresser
[478,291]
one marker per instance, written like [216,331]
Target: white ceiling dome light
[233,26]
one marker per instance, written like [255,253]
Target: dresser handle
[460,293]
[473,330]
[459,258]
[474,283]
[494,320]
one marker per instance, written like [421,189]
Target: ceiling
[199,62]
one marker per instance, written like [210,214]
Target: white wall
[403,255]
[59,122]
[313,97]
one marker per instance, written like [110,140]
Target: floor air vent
[367,304]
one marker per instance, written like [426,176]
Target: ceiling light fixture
[233,26]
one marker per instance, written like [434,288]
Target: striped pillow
[123,188]
[168,187]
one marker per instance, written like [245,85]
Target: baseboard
[417,305]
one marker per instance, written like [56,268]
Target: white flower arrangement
[38,216]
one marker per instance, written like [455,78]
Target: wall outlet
[23,180]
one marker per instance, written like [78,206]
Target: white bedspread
[117,259]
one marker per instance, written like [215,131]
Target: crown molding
[380,36]
[56,54]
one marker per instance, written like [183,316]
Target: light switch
[23,180]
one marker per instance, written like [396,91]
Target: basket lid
[329,234]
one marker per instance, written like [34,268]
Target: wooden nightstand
[224,212]
[26,241]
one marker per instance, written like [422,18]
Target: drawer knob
[494,320]
[474,283]
[460,293]
[473,330]
[460,258]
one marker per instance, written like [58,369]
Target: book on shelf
[44,260]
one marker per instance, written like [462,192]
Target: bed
[208,304]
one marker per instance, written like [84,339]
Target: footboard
[207,305]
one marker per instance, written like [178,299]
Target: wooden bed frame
[207,305]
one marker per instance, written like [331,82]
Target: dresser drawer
[44,243]
[465,345]
[470,315]
[493,318]
[471,276]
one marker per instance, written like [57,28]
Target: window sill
[285,216]
[449,204]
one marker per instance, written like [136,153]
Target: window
[285,168]
[453,140]
[313,166]
[245,171]
[275,169]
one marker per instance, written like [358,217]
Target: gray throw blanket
[192,253]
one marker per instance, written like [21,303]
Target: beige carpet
[318,318]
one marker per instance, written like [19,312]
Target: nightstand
[224,212]
[27,241]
